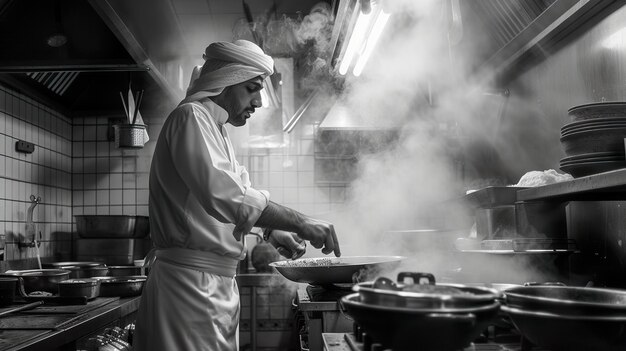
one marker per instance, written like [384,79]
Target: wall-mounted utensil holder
[129,135]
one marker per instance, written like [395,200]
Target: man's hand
[321,234]
[288,244]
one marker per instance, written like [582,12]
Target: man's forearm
[276,216]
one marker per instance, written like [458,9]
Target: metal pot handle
[417,277]
[544,284]
[467,317]
[342,309]
[20,287]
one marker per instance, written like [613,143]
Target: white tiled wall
[77,170]
[45,173]
[288,173]
[108,180]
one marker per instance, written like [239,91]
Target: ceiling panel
[229,6]
[190,6]
[224,24]
[225,16]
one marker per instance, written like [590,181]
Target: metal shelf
[597,187]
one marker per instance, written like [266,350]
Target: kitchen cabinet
[266,320]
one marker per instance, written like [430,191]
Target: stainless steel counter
[38,336]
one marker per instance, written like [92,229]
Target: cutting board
[10,338]
[34,321]
[65,309]
[72,309]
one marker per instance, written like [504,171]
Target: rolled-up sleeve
[219,184]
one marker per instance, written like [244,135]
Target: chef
[202,204]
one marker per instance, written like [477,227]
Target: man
[201,206]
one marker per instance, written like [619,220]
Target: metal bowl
[112,226]
[40,279]
[59,265]
[87,272]
[80,269]
[121,286]
[561,332]
[568,300]
[90,288]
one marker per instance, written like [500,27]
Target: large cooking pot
[385,292]
[566,332]
[80,269]
[40,279]
[568,300]
[430,329]
[502,287]
[335,270]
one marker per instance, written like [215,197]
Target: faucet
[30,226]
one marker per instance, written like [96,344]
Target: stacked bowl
[594,141]
[569,318]
[442,317]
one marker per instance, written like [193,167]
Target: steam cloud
[417,79]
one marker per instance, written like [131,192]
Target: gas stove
[326,328]
[359,341]
[319,313]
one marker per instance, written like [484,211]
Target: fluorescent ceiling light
[377,30]
[356,39]
[366,32]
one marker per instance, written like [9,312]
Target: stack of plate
[594,140]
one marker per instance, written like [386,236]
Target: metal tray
[493,196]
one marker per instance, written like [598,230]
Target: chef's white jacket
[201,204]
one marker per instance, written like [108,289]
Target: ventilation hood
[517,32]
[76,55]
[342,118]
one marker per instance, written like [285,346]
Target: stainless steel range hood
[341,117]
[76,56]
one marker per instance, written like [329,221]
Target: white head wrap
[245,60]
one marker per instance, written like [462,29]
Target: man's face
[240,100]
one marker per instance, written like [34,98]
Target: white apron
[186,307]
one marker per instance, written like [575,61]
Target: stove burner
[364,343]
[335,286]
[328,292]
[492,339]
